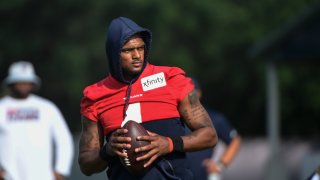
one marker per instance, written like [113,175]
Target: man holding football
[157,97]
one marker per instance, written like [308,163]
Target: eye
[140,48]
[129,50]
[126,50]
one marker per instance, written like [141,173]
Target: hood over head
[120,30]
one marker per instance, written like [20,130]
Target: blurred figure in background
[202,163]
[30,126]
[315,175]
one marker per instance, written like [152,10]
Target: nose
[136,53]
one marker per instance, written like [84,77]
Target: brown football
[130,163]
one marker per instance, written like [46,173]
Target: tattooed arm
[203,134]
[91,141]
[197,119]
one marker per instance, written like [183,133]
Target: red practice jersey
[154,96]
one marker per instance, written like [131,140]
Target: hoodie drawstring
[126,103]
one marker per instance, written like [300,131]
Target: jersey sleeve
[179,83]
[87,107]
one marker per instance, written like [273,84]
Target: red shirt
[154,96]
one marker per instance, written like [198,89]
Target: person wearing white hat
[22,71]
[35,141]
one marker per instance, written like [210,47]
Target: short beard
[130,75]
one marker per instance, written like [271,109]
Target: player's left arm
[203,133]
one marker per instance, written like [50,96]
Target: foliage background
[210,40]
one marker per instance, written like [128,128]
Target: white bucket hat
[22,71]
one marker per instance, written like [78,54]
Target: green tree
[208,39]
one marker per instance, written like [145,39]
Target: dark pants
[163,170]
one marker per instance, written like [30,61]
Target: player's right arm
[91,141]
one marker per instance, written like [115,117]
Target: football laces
[126,159]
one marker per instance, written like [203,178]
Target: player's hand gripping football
[159,145]
[118,142]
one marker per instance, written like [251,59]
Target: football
[130,163]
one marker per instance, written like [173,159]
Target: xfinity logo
[153,81]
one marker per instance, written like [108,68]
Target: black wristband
[177,144]
[104,153]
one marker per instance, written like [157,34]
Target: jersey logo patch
[23,114]
[153,81]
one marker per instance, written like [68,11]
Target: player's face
[132,56]
[21,89]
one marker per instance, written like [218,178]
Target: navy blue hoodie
[120,30]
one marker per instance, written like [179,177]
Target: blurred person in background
[202,163]
[315,175]
[35,141]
